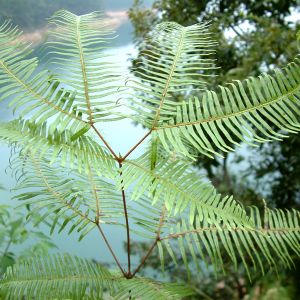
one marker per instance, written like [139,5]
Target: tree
[262,36]
[269,41]
[75,182]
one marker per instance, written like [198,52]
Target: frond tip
[173,59]
[79,44]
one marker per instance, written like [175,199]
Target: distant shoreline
[34,37]
[113,18]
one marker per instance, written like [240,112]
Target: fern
[67,171]
[61,147]
[249,110]
[169,63]
[77,43]
[58,276]
[66,277]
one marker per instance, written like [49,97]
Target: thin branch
[136,145]
[157,239]
[111,250]
[7,247]
[145,257]
[242,35]
[105,142]
[127,225]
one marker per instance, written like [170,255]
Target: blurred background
[254,37]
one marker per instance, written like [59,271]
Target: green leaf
[242,112]
[174,59]
[57,276]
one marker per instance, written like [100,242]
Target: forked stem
[157,239]
[120,159]
[136,145]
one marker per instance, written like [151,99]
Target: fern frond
[78,43]
[78,201]
[243,112]
[172,60]
[147,289]
[56,277]
[65,197]
[270,241]
[78,152]
[67,277]
[146,217]
[180,188]
[36,95]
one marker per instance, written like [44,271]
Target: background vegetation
[253,37]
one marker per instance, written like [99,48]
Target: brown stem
[105,143]
[127,225]
[136,145]
[111,250]
[157,239]
[145,257]
[7,248]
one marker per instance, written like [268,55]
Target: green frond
[147,289]
[75,151]
[146,217]
[35,95]
[173,59]
[67,277]
[174,184]
[243,112]
[56,277]
[66,199]
[270,241]
[76,48]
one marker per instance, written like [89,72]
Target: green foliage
[66,277]
[254,37]
[15,230]
[78,184]
[241,118]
